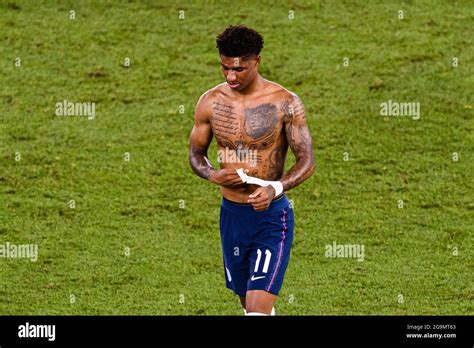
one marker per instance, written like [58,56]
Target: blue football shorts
[256,245]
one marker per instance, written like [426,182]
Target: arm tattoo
[199,162]
[300,142]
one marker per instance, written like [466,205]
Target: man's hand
[225,177]
[262,197]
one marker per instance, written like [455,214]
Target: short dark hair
[239,41]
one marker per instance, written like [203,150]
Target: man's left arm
[299,140]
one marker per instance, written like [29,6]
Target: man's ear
[257,60]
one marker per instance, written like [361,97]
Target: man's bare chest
[253,126]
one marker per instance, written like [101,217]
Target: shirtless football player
[255,120]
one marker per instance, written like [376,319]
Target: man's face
[239,72]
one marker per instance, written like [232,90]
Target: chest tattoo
[225,122]
[261,120]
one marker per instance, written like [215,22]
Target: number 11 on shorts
[268,256]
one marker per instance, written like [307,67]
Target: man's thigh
[269,254]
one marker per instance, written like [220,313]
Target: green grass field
[143,237]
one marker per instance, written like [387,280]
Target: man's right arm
[199,141]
